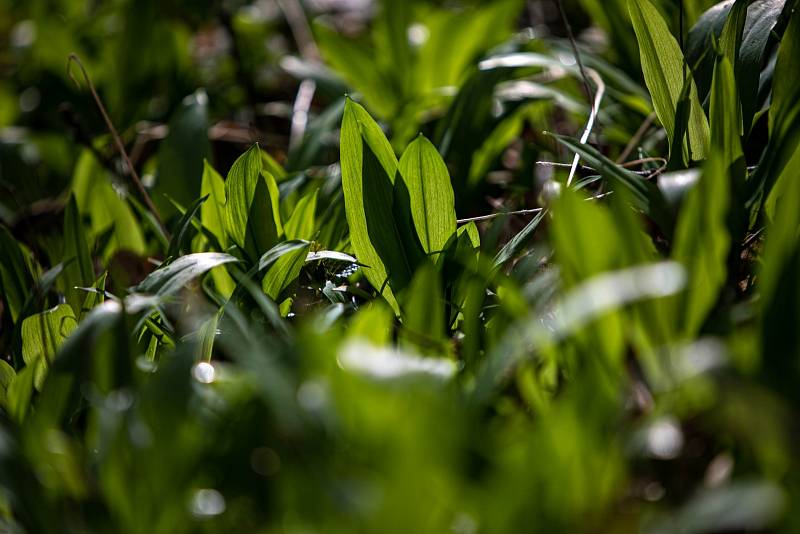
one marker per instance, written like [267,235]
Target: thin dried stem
[637,137]
[301,30]
[575,50]
[134,176]
[500,214]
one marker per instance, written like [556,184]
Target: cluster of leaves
[317,342]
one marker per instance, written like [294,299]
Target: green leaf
[19,393]
[471,229]
[249,216]
[354,61]
[588,302]
[97,198]
[212,212]
[301,223]
[780,294]
[784,119]
[424,312]
[701,244]
[276,252]
[181,237]
[646,195]
[171,278]
[319,255]
[368,181]
[431,194]
[519,240]
[94,296]
[15,278]
[213,217]
[724,114]
[181,154]
[284,271]
[7,375]
[663,67]
[208,333]
[42,335]
[78,268]
[373,323]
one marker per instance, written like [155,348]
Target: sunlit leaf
[702,242]
[249,214]
[663,67]
[432,199]
[368,179]
[301,223]
[42,335]
[172,278]
[284,270]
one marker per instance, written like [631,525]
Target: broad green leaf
[78,268]
[7,376]
[663,67]
[274,197]
[355,63]
[181,236]
[170,279]
[96,197]
[15,278]
[471,230]
[273,167]
[19,393]
[701,244]
[368,181]
[780,292]
[212,212]
[495,143]
[181,154]
[724,114]
[284,271]
[784,119]
[754,53]
[212,216]
[276,252]
[373,323]
[42,335]
[458,37]
[318,255]
[593,299]
[302,223]
[250,222]
[744,28]
[424,312]
[431,194]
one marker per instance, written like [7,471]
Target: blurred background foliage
[588,367]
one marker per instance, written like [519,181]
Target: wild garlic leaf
[431,194]
[250,221]
[663,68]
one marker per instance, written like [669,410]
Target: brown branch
[637,137]
[134,176]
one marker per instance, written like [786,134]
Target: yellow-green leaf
[431,194]
[250,222]
[42,335]
[663,68]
